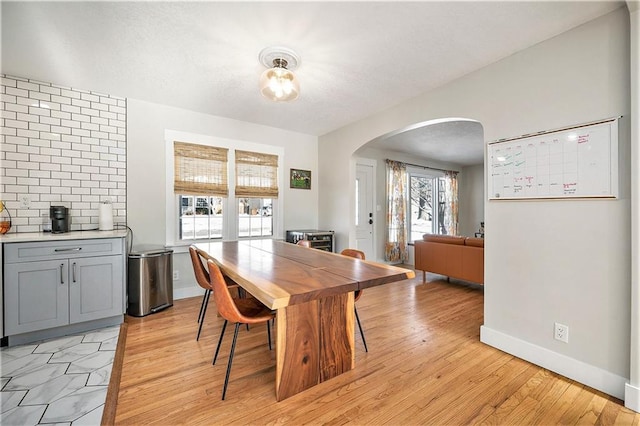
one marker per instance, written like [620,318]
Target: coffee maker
[59,219]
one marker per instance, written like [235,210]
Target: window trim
[230,217]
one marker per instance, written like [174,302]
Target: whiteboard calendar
[580,162]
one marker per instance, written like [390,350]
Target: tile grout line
[34,352]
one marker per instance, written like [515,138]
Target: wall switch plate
[561,332]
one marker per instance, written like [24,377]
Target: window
[200,180]
[257,184]
[200,217]
[221,189]
[425,217]
[199,169]
[256,174]
[255,218]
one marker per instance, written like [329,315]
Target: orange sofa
[455,257]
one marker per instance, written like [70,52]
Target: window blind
[256,175]
[200,169]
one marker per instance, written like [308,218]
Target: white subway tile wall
[63,147]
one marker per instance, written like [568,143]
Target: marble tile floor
[61,381]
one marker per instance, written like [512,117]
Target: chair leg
[233,348]
[204,298]
[361,332]
[269,333]
[215,357]
[203,312]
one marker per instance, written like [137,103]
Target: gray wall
[471,199]
[545,261]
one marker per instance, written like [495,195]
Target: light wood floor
[425,365]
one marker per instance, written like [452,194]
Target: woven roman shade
[256,175]
[199,169]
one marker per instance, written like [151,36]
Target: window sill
[183,246]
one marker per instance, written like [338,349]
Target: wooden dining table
[312,292]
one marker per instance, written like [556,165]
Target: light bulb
[279,84]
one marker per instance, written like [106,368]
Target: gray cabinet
[95,288]
[53,284]
[36,296]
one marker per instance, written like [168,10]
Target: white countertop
[22,237]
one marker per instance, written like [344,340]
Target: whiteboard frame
[613,164]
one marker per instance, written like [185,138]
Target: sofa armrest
[473,264]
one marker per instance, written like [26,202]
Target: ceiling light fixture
[278,82]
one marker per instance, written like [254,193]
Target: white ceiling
[357,58]
[457,141]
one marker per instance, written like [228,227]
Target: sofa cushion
[474,242]
[446,239]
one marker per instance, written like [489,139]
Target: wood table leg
[337,344]
[315,342]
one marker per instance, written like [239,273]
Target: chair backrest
[353,253]
[224,301]
[304,243]
[358,254]
[199,269]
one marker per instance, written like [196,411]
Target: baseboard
[587,374]
[51,333]
[632,397]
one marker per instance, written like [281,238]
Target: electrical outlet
[25,201]
[176,275]
[561,332]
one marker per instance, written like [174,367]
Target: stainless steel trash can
[150,280]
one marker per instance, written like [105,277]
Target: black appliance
[322,240]
[59,219]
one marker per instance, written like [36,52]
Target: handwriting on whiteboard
[572,163]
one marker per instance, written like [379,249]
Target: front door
[364,209]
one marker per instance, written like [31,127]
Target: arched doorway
[447,143]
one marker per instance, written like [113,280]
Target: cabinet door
[35,295]
[95,288]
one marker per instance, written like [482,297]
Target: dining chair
[239,311]
[202,278]
[304,243]
[358,254]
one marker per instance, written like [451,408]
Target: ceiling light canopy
[278,82]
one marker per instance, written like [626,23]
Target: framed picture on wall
[300,179]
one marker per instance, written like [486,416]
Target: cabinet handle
[74,272]
[62,273]
[69,249]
